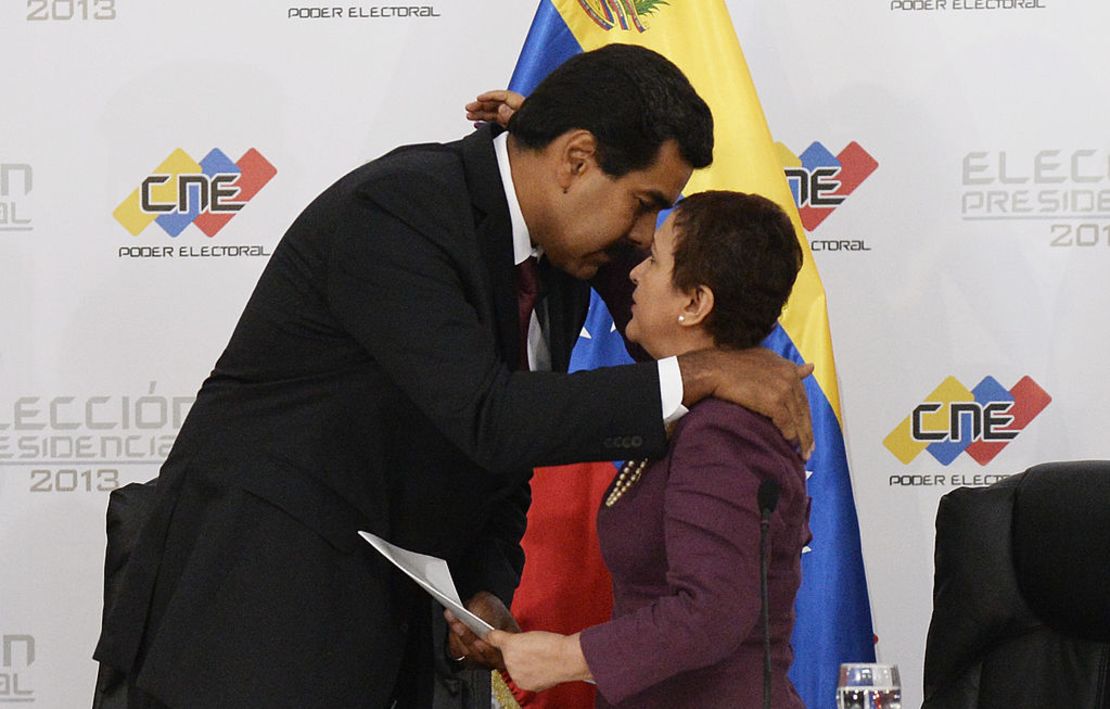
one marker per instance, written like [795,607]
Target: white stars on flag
[807,549]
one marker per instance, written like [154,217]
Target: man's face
[598,211]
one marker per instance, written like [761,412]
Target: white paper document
[433,576]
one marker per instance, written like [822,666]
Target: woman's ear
[699,304]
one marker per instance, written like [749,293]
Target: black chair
[128,509]
[1021,595]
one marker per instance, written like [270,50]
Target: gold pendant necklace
[629,476]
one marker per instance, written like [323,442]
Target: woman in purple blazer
[681,534]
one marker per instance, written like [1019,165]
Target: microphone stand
[768,497]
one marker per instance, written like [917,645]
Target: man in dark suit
[378,379]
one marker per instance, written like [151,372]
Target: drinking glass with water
[868,686]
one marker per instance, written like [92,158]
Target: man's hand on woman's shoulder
[756,379]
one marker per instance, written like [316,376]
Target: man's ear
[698,306]
[577,156]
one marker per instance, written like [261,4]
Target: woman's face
[656,302]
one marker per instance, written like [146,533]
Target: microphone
[768,498]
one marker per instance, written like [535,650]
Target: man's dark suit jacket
[365,387]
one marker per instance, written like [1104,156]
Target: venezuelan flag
[833,612]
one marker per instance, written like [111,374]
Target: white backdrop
[974,249]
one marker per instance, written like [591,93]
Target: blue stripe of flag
[549,43]
[833,622]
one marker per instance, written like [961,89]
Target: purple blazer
[683,549]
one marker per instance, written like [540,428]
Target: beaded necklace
[629,476]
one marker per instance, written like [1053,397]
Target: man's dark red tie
[527,295]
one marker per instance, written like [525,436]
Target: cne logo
[629,14]
[981,421]
[17,653]
[16,182]
[821,181]
[181,191]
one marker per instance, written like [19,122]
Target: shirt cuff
[670,390]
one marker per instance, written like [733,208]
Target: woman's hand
[498,106]
[537,661]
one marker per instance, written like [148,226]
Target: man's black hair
[630,98]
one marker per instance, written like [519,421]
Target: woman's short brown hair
[743,247]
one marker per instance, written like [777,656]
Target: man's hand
[494,106]
[464,644]
[538,660]
[756,379]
